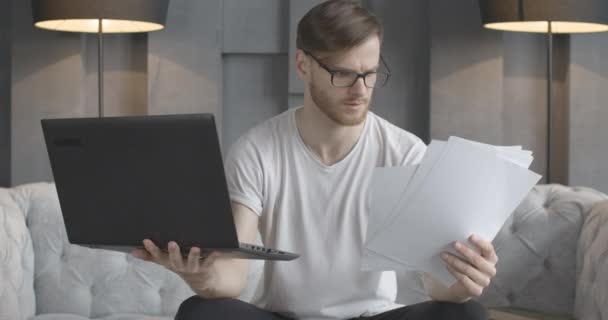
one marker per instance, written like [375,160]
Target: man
[302,178]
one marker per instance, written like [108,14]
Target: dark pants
[197,308]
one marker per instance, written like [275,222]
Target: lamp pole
[549,96]
[100,67]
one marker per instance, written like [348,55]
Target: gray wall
[5,97]
[406,48]
[46,83]
[235,58]
[125,74]
[589,111]
[485,85]
[490,86]
[184,60]
[297,9]
[54,74]
[255,63]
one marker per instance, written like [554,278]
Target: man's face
[346,106]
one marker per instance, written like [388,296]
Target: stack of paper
[460,188]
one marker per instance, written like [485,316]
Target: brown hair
[335,26]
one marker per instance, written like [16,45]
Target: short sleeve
[244,175]
[414,155]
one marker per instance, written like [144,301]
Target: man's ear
[302,64]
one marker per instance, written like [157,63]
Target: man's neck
[329,141]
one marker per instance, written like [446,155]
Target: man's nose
[359,86]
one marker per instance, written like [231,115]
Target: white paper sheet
[387,185]
[460,188]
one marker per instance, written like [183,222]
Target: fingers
[176,261]
[194,260]
[472,289]
[466,269]
[486,247]
[478,261]
[152,249]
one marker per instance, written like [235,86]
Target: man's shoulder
[399,147]
[390,132]
[272,126]
[264,134]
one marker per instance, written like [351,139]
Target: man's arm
[230,275]
[214,276]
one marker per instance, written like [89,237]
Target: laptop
[121,180]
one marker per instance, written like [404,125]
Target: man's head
[337,41]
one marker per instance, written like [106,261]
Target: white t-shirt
[319,212]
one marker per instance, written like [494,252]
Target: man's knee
[196,308]
[471,310]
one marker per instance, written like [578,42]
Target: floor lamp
[100,16]
[550,17]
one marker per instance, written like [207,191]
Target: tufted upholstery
[17,300]
[537,251]
[592,268]
[552,251]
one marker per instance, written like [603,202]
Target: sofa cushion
[17,300]
[519,314]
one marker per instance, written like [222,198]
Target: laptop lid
[124,179]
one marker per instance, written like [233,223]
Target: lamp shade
[118,16]
[566,16]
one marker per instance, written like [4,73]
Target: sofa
[553,264]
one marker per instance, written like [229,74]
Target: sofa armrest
[591,296]
[17,299]
[537,249]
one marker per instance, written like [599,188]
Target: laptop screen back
[121,180]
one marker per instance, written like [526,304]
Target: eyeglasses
[344,78]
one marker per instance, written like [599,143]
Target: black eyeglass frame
[332,72]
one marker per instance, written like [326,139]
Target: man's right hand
[195,270]
[216,275]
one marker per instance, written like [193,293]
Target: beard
[334,111]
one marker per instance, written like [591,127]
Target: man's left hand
[474,272]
